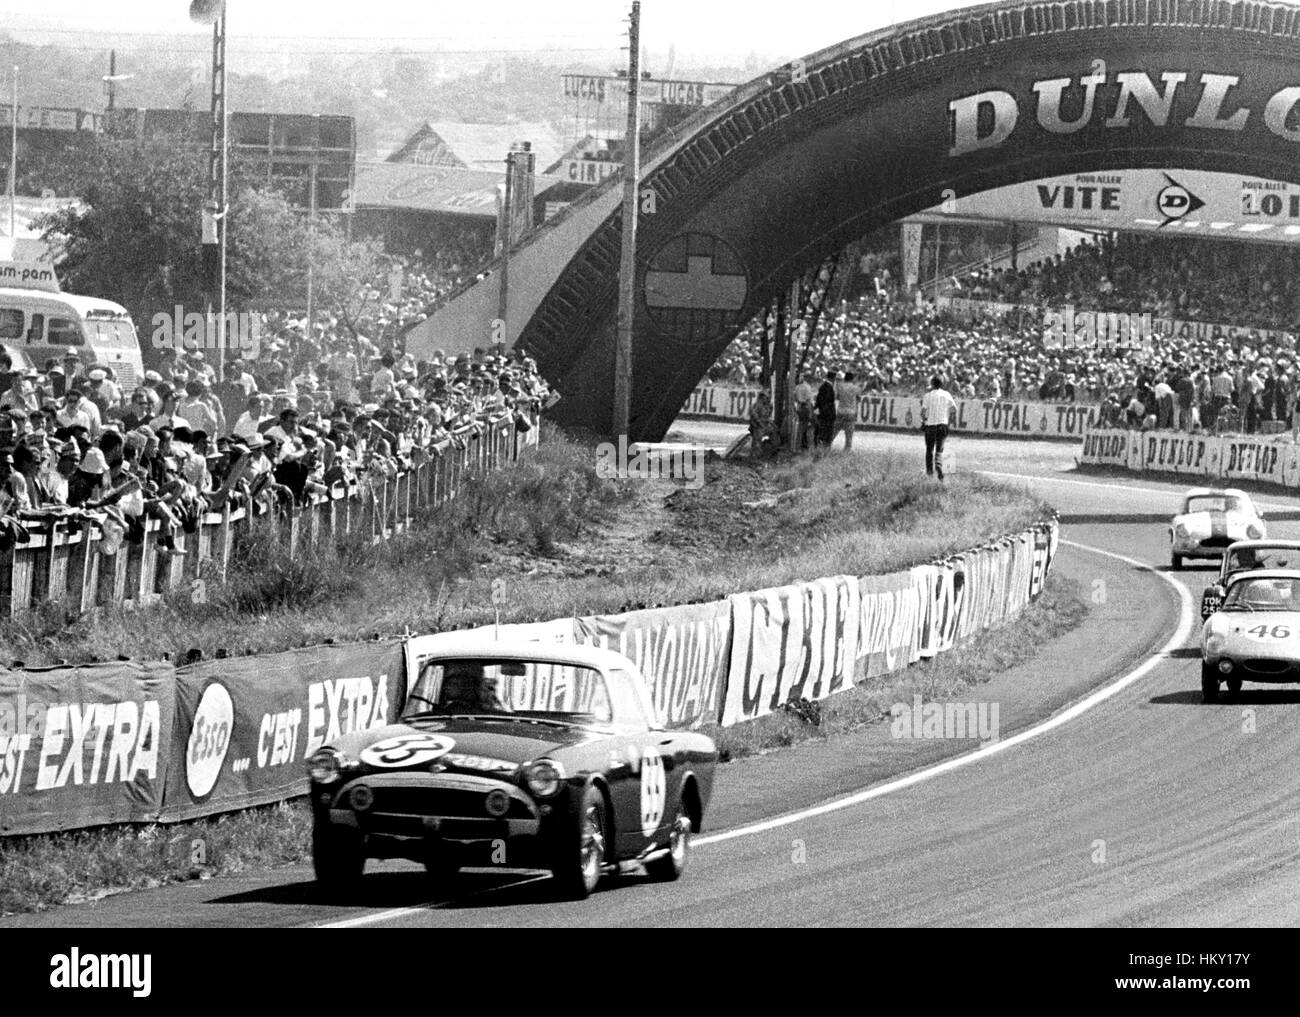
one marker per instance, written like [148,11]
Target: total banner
[903,413]
[791,643]
[84,746]
[682,652]
[247,725]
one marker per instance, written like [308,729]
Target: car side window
[627,704]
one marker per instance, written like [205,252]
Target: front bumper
[1264,670]
[411,814]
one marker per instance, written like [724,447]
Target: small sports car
[1255,635]
[1244,556]
[519,755]
[1210,522]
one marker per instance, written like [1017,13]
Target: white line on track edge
[1185,623]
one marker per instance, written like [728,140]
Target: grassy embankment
[568,543]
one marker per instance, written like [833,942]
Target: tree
[136,239]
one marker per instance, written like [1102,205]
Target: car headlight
[1181,532]
[544,778]
[1215,644]
[1254,531]
[325,766]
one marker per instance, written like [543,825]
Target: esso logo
[407,750]
[214,723]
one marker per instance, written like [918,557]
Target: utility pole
[503,295]
[112,80]
[627,267]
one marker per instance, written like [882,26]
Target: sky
[698,28]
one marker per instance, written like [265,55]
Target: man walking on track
[937,409]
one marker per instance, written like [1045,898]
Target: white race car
[1255,634]
[1212,520]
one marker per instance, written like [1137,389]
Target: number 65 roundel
[407,750]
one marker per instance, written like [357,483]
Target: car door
[649,766]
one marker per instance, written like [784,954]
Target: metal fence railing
[62,560]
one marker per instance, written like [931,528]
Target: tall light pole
[631,198]
[215,217]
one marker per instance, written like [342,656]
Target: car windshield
[1247,558]
[538,690]
[1214,503]
[1264,594]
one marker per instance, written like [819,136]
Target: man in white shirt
[246,425]
[938,408]
[848,393]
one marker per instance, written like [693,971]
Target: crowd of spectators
[1217,281]
[1197,380]
[321,406]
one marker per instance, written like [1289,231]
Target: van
[47,325]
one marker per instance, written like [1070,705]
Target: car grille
[1218,541]
[1268,666]
[440,801]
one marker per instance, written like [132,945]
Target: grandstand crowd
[892,345]
[334,403]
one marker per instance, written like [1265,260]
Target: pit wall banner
[683,653]
[1266,460]
[246,726]
[789,644]
[84,746]
[1001,417]
[113,743]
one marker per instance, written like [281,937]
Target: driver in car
[465,686]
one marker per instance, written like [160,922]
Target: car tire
[1176,562]
[1209,684]
[582,851]
[670,865]
[338,856]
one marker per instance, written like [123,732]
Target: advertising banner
[1106,447]
[247,725]
[84,746]
[791,643]
[889,609]
[682,652]
[903,413]
[1173,452]
[1251,459]
[936,629]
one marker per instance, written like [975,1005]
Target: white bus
[47,325]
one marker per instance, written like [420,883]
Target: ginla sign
[987,119]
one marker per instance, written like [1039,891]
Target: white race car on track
[1255,634]
[1212,520]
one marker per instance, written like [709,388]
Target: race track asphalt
[1144,808]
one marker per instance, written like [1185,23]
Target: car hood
[1257,633]
[472,745]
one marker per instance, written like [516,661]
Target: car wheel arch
[690,800]
[611,824]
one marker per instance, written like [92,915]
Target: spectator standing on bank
[803,408]
[1184,400]
[847,396]
[825,405]
[1221,388]
[937,409]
